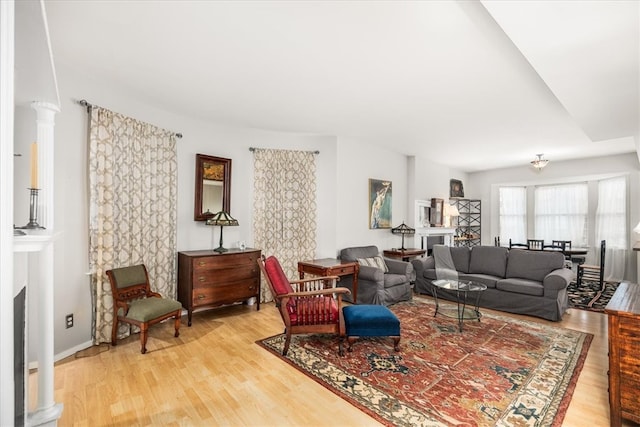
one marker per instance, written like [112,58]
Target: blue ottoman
[371,321]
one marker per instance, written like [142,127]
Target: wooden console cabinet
[623,312]
[208,279]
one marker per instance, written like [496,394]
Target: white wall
[71,282]
[485,185]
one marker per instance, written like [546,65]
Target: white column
[47,411]
[45,122]
[7,384]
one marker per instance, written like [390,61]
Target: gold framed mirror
[213,186]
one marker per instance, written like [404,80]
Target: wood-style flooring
[215,375]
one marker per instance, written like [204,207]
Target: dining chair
[593,272]
[517,245]
[535,244]
[136,304]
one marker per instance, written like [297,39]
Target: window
[513,214]
[611,215]
[561,213]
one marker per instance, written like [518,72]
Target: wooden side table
[404,254]
[331,267]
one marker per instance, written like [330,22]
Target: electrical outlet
[69,320]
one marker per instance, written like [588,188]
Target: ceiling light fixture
[539,162]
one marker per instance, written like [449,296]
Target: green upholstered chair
[134,302]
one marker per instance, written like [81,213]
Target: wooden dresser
[624,354]
[209,279]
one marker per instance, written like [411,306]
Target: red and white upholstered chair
[306,306]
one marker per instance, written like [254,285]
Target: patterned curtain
[284,217]
[132,207]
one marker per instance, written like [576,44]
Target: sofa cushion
[491,260]
[460,256]
[533,265]
[521,286]
[375,261]
[485,279]
[352,254]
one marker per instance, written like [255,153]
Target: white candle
[34,165]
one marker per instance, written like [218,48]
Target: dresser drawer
[239,260]
[207,279]
[227,293]
[223,275]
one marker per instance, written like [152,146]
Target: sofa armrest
[557,280]
[397,266]
[422,264]
[371,274]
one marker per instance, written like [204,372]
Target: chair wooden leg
[287,341]
[114,331]
[177,324]
[579,280]
[144,329]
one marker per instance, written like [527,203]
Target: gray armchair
[375,286]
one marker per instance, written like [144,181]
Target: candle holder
[33,211]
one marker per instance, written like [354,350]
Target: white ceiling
[473,85]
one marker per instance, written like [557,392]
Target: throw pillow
[375,261]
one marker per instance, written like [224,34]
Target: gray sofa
[374,285]
[518,281]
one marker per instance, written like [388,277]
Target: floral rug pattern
[499,371]
[589,296]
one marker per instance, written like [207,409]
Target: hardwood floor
[214,374]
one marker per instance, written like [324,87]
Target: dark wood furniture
[623,313]
[306,305]
[208,279]
[593,272]
[134,303]
[404,254]
[331,267]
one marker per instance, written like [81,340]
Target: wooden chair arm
[318,292]
[122,304]
[315,283]
[154,294]
[312,279]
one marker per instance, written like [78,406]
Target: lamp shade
[403,229]
[453,210]
[637,229]
[223,219]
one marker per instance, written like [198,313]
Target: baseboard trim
[63,355]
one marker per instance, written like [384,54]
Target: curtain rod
[89,106]
[252,149]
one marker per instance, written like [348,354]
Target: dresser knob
[200,296]
[201,279]
[200,263]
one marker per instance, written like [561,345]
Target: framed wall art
[455,188]
[437,212]
[380,198]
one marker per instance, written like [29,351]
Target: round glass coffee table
[462,288]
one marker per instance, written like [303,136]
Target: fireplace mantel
[423,232]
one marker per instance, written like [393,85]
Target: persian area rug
[499,371]
[589,296]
